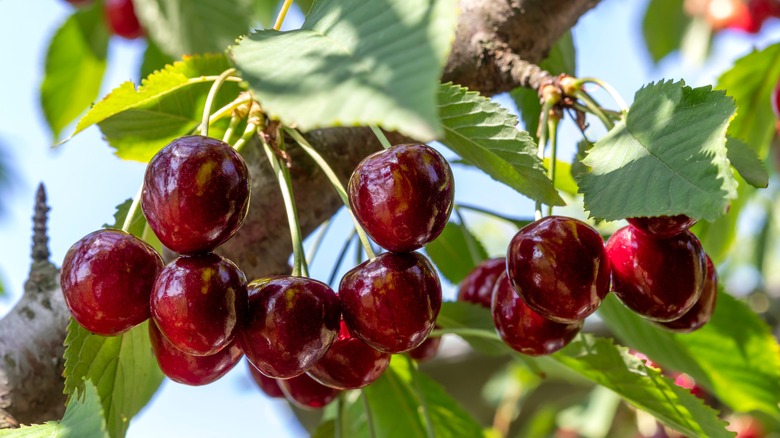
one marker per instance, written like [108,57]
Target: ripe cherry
[106,280]
[121,18]
[196,194]
[478,285]
[702,311]
[391,302]
[525,330]
[559,268]
[349,363]
[662,226]
[660,279]
[427,350]
[189,369]
[199,303]
[292,321]
[402,196]
[307,393]
[268,385]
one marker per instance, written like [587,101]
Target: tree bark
[494,44]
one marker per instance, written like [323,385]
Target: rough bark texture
[495,41]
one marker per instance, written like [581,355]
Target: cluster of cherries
[558,270]
[120,17]
[295,330]
[744,15]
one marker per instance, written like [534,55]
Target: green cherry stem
[594,108]
[381,137]
[282,176]
[609,89]
[339,432]
[334,180]
[421,395]
[552,129]
[204,124]
[225,111]
[234,121]
[543,128]
[369,415]
[133,211]
[249,131]
[282,14]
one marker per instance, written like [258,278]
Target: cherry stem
[423,402]
[609,89]
[594,108]
[519,223]
[234,120]
[249,131]
[471,243]
[323,229]
[340,258]
[543,131]
[283,176]
[225,111]
[282,14]
[204,124]
[335,182]
[381,137]
[133,211]
[369,415]
[552,129]
[339,432]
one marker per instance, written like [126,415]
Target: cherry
[660,279]
[701,312]
[189,369]
[477,287]
[307,393]
[559,268]
[427,350]
[292,322]
[199,303]
[121,18]
[402,196]
[268,385]
[196,194]
[685,381]
[524,330]
[391,302]
[106,280]
[662,226]
[349,363]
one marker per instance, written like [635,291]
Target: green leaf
[154,59]
[74,67]
[563,176]
[123,367]
[83,418]
[561,59]
[673,141]
[485,134]
[663,27]
[168,104]
[188,27]
[463,315]
[354,62]
[451,254]
[747,163]
[615,368]
[734,356]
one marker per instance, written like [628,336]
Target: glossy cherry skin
[559,268]
[662,226]
[307,393]
[702,311]
[107,278]
[189,369]
[291,324]
[349,363]
[402,196]
[121,19]
[268,385]
[196,194]
[478,285]
[660,279]
[391,302]
[199,303]
[524,330]
[427,350]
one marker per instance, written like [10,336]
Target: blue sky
[85,181]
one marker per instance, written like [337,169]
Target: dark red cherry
[189,369]
[121,18]
[307,393]
[402,196]
[702,311]
[292,321]
[349,363]
[391,302]
[199,303]
[559,268]
[477,287]
[268,385]
[427,350]
[660,279]
[196,194]
[107,278]
[662,226]
[524,330]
